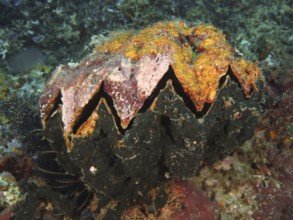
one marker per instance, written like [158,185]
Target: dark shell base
[164,141]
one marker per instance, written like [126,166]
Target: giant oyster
[148,106]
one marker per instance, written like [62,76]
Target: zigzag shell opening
[126,72]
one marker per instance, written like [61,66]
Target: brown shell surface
[129,66]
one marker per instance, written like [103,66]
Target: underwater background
[255,181]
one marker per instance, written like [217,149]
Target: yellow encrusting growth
[200,56]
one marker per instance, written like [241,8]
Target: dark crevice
[90,107]
[87,111]
[223,79]
[110,104]
[233,77]
[166,123]
[160,86]
[170,75]
[57,103]
[187,101]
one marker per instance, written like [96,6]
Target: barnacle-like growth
[129,66]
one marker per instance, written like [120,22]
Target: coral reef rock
[184,202]
[149,106]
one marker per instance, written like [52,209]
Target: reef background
[254,182]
